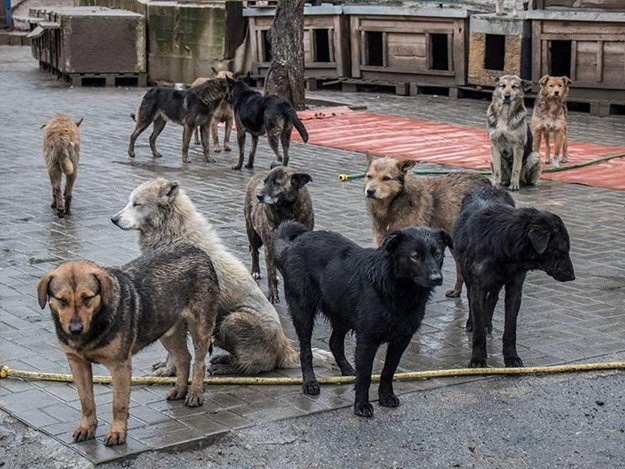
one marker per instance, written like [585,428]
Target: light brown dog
[550,116]
[396,198]
[61,153]
[105,315]
[223,113]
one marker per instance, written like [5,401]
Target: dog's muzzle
[371,193]
[115,220]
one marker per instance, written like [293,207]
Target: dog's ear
[445,237]
[405,165]
[539,239]
[526,85]
[79,121]
[543,80]
[369,158]
[43,125]
[42,289]
[496,81]
[299,180]
[567,81]
[170,190]
[105,283]
[392,240]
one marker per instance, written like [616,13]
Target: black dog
[378,293]
[496,245]
[190,108]
[258,114]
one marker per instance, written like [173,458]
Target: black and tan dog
[378,293]
[271,198]
[397,198]
[495,245]
[513,159]
[105,315]
[259,115]
[190,108]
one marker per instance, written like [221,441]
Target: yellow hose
[6,372]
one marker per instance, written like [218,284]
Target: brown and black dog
[550,116]
[396,198]
[61,153]
[271,198]
[105,315]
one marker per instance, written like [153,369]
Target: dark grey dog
[258,114]
[271,198]
[190,108]
[495,245]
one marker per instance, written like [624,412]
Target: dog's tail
[67,166]
[283,236]
[292,115]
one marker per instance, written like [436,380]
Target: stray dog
[378,293]
[513,161]
[61,153]
[190,108]
[517,4]
[271,198]
[248,327]
[397,198]
[258,114]
[106,315]
[223,113]
[550,114]
[496,245]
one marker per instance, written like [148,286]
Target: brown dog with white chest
[61,153]
[106,315]
[397,198]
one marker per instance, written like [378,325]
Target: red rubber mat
[445,144]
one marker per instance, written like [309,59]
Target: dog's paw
[223,359]
[514,186]
[388,400]
[469,325]
[60,212]
[227,147]
[348,371]
[363,409]
[162,368]
[273,298]
[256,275]
[210,160]
[564,159]
[157,155]
[453,293]
[249,166]
[83,433]
[217,149]
[113,438]
[131,154]
[177,393]
[186,160]
[513,362]
[477,362]
[237,167]
[311,388]
[195,398]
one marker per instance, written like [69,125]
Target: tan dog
[513,160]
[223,113]
[550,116]
[396,198]
[61,153]
[107,315]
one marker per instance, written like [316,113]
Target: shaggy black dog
[380,294]
[496,245]
[258,114]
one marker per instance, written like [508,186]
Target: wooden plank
[573,60]
[385,49]
[564,28]
[423,71]
[599,75]
[460,54]
[545,56]
[620,37]
[450,52]
[537,45]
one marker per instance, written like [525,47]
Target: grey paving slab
[558,323]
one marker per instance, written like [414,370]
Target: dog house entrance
[495,52]
[439,52]
[560,58]
[374,48]
[322,45]
[266,39]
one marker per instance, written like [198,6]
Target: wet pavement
[559,323]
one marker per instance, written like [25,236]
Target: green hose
[424,172]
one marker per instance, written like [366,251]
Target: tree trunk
[286,77]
